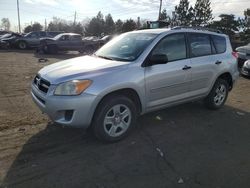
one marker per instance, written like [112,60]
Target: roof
[69,34]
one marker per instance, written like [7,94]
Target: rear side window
[199,44]
[75,37]
[219,43]
[174,46]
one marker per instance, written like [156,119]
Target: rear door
[168,83]
[76,42]
[205,63]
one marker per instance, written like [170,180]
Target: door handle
[218,62]
[186,67]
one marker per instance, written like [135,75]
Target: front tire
[22,45]
[218,95]
[114,118]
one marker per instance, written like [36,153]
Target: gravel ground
[183,146]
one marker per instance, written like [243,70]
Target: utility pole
[19,26]
[45,25]
[160,10]
[75,18]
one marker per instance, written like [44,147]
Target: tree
[109,25]
[129,25]
[164,15]
[37,26]
[5,24]
[202,13]
[95,26]
[118,26]
[78,28]
[28,29]
[58,24]
[34,27]
[182,13]
[227,24]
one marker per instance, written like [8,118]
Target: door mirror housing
[158,59]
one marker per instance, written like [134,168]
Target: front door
[169,82]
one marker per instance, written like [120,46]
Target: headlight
[74,87]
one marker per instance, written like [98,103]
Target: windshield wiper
[105,57]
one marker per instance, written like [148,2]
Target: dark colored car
[243,54]
[105,39]
[32,39]
[9,40]
[62,42]
[245,70]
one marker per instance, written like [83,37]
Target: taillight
[235,54]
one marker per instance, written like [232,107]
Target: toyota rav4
[136,73]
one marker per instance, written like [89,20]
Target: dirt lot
[185,146]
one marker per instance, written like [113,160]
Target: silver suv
[135,73]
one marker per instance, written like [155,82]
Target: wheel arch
[228,77]
[127,92]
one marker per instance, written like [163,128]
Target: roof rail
[197,28]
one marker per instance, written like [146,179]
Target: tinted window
[75,37]
[199,45]
[174,46]
[220,43]
[42,34]
[65,37]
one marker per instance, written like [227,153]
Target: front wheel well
[228,77]
[127,92]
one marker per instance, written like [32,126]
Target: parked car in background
[62,42]
[245,70]
[136,73]
[93,43]
[243,54]
[32,39]
[2,32]
[105,39]
[9,40]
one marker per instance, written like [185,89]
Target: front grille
[41,84]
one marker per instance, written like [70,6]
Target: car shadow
[183,146]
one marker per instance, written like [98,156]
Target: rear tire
[115,116]
[218,95]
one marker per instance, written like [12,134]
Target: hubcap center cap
[117,119]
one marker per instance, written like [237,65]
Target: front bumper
[75,111]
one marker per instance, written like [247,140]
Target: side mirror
[158,59]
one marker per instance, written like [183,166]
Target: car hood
[83,67]
[9,38]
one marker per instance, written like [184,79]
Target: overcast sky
[39,10]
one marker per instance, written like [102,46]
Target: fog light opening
[68,115]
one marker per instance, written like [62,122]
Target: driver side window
[173,46]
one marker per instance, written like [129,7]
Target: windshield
[126,47]
[28,34]
[58,36]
